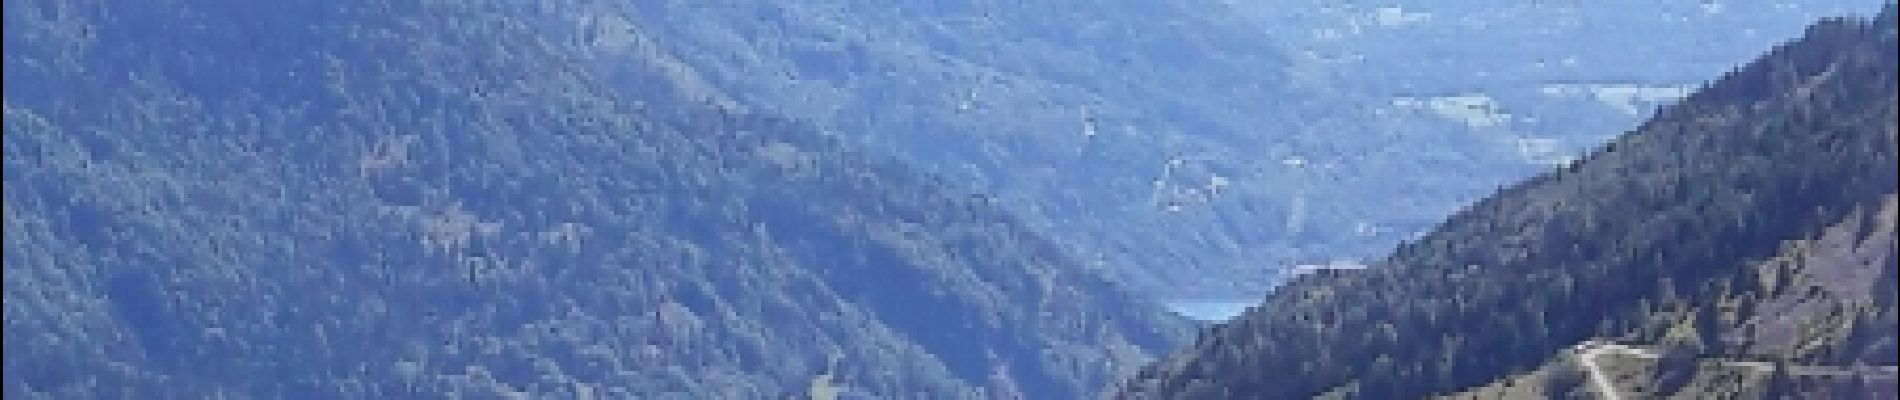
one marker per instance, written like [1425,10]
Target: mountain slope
[1821,318]
[390,199]
[1677,212]
[1084,117]
[1195,148]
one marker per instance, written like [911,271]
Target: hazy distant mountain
[1738,245]
[1195,148]
[1553,77]
[400,199]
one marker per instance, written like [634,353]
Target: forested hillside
[1751,221]
[1196,148]
[418,199]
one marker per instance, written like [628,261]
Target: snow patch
[1629,98]
[1476,110]
[1395,16]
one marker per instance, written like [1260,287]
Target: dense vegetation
[393,199]
[1715,214]
[1191,147]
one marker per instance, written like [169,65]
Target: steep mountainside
[1084,117]
[1820,322]
[1194,147]
[1742,224]
[402,199]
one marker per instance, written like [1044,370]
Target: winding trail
[1588,352]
